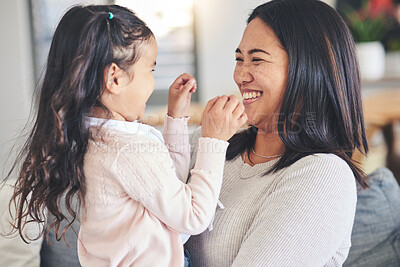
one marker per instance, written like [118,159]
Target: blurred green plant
[393,44]
[367,24]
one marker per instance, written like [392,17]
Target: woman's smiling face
[261,74]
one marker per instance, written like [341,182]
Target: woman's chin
[250,121]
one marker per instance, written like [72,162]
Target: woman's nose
[243,74]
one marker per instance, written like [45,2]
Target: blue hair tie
[111,15]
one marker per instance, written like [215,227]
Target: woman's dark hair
[86,41]
[321,109]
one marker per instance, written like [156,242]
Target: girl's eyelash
[238,59]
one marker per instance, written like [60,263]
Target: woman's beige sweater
[299,216]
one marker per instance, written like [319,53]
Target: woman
[289,189]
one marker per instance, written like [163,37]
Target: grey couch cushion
[57,253]
[375,237]
[385,254]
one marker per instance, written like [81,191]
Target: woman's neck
[267,147]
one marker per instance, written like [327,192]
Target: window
[172,22]
[45,15]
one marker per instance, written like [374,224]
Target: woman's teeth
[250,95]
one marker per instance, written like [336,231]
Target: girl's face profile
[261,74]
[134,94]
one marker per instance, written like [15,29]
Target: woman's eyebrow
[256,50]
[252,51]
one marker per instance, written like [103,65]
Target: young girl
[87,142]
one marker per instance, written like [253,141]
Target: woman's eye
[239,59]
[153,70]
[257,59]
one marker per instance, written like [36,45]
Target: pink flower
[381,7]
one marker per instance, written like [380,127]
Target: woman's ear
[112,78]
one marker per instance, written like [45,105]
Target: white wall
[16,76]
[17,80]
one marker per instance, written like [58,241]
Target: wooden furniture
[156,117]
[381,111]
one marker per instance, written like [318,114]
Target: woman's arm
[306,219]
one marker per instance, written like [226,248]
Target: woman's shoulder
[321,160]
[328,166]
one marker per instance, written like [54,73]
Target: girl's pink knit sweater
[135,205]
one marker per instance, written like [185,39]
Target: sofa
[376,231]
[375,236]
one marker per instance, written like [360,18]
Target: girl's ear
[112,78]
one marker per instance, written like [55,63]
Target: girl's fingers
[189,86]
[242,119]
[221,102]
[239,110]
[184,78]
[178,81]
[231,103]
[210,104]
[193,89]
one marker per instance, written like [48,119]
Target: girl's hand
[222,117]
[179,95]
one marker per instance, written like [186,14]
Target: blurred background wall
[16,74]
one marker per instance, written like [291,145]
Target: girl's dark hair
[87,40]
[321,109]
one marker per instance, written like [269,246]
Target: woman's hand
[179,95]
[222,117]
